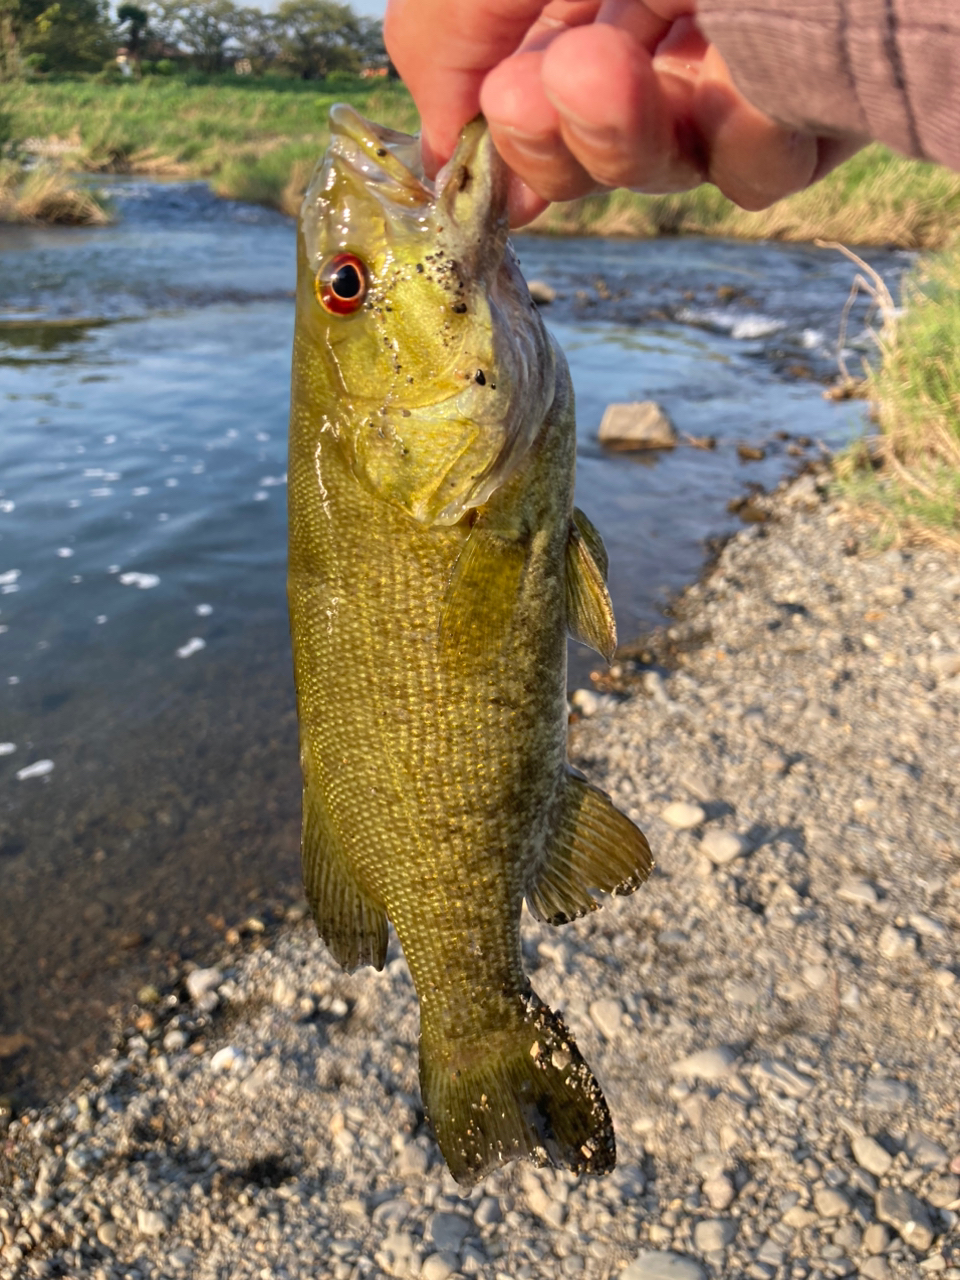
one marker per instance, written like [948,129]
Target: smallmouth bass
[436,565]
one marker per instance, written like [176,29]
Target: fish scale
[436,565]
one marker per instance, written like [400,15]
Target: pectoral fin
[589,610]
[596,849]
[353,926]
[480,600]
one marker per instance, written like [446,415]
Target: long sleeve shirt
[884,69]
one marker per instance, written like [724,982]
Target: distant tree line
[309,39]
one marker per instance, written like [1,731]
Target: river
[149,790]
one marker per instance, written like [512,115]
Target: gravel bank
[775,1017]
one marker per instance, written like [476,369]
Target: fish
[436,565]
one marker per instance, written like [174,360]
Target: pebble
[722,847]
[719,1191]
[860,892]
[885,1094]
[438,1266]
[907,1215]
[876,1238]
[870,1155]
[654,1264]
[607,1017]
[713,1233]
[830,1203]
[447,1231]
[682,815]
[705,1064]
[200,981]
[150,1222]
[924,1153]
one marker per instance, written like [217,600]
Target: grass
[875,198]
[46,194]
[257,139]
[251,138]
[907,473]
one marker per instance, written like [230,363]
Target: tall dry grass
[46,194]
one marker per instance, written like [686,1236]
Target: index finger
[444,48]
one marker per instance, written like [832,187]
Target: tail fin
[524,1091]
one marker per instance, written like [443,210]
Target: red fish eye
[342,284]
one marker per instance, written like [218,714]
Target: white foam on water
[204,610]
[65,552]
[39,769]
[74,502]
[193,645]
[93,473]
[101,619]
[101,493]
[76,577]
[270,482]
[232,434]
[114,568]
[7,748]
[6,506]
[261,496]
[3,628]
[171,482]
[262,436]
[198,470]
[141,491]
[11,575]
[163,516]
[109,439]
[13,679]
[143,581]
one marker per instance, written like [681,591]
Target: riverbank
[258,140]
[775,1016]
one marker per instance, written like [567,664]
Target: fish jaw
[437,385]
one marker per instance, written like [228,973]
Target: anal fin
[353,926]
[589,610]
[596,849]
[478,607]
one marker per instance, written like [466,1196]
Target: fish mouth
[379,156]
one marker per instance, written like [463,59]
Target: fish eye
[342,284]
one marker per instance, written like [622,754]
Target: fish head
[418,349]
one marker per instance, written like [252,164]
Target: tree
[205,29]
[68,35]
[316,37]
[136,20]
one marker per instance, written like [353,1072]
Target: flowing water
[149,789]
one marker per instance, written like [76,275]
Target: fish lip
[373,152]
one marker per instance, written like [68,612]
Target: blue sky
[370,8]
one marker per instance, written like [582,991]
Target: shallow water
[143,637]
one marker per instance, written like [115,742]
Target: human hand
[584,95]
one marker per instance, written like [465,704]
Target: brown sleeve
[885,69]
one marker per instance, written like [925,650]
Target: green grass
[875,198]
[240,132]
[257,139]
[907,473]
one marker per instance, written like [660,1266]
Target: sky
[369,8]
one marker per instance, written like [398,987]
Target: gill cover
[437,384]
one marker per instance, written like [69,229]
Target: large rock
[640,425]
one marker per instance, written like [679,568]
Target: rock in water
[640,425]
